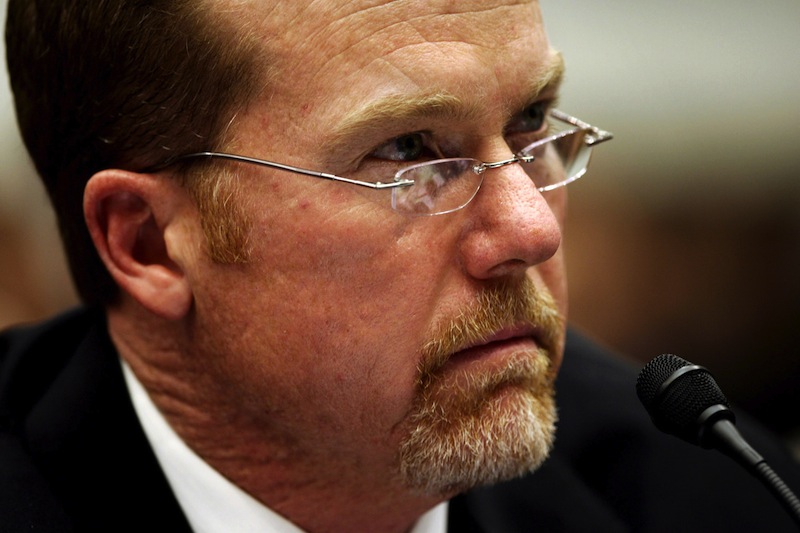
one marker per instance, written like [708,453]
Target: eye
[408,147]
[532,119]
[528,126]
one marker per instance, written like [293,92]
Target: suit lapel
[85,436]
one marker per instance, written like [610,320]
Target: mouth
[497,348]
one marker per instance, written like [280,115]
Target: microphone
[684,400]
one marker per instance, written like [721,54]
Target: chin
[489,430]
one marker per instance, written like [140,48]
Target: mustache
[503,305]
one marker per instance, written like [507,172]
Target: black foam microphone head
[678,395]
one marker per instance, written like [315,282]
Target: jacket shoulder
[32,355]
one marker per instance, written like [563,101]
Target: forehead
[329,58]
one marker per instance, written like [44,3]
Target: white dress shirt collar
[211,503]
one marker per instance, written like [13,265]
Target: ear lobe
[129,216]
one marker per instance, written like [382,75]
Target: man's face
[368,341]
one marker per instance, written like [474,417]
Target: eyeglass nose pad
[503,163]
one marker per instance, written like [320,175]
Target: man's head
[358,354]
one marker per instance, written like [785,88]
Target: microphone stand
[726,438]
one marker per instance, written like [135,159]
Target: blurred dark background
[685,235]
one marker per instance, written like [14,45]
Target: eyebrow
[370,120]
[550,80]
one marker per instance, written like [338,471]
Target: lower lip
[492,353]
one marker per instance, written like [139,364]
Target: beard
[484,427]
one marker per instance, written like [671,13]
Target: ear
[135,223]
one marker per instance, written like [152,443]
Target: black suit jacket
[73,456]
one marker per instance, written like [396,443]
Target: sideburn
[225,224]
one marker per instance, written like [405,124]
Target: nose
[511,226]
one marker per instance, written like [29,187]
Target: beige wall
[685,237]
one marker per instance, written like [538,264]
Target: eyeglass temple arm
[288,168]
[596,135]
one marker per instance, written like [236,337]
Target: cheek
[333,316]
[557,200]
[553,274]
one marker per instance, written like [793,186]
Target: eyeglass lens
[448,185]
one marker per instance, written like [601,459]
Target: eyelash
[516,139]
[425,143]
[523,137]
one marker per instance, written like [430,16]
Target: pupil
[409,147]
[536,116]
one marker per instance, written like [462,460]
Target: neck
[318,492]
